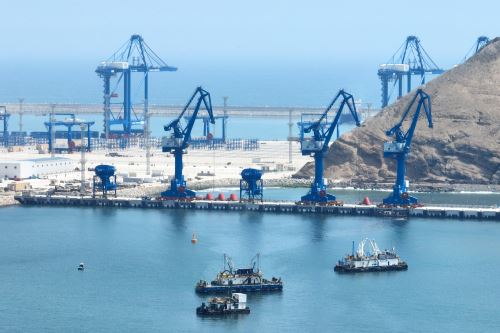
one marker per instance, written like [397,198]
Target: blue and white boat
[239,280]
[374,261]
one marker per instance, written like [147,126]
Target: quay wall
[266,207]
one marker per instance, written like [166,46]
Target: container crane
[134,56]
[317,146]
[400,148]
[481,42]
[179,140]
[410,59]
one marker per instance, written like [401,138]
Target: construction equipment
[317,146]
[68,122]
[410,59]
[179,140]
[104,180]
[400,148]
[4,117]
[251,185]
[134,56]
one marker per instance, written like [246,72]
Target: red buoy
[209,196]
[221,197]
[233,197]
[366,201]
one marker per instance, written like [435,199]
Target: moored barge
[239,280]
[375,261]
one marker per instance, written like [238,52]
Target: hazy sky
[256,31]
[257,36]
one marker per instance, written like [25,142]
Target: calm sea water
[237,127]
[141,269]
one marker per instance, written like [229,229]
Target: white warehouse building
[37,167]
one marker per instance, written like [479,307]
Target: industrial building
[34,168]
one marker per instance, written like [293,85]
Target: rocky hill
[462,148]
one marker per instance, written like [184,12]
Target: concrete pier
[265,207]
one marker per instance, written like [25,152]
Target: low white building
[37,167]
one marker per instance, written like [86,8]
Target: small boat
[239,280]
[81,267]
[376,261]
[220,306]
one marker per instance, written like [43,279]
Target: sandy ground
[202,168]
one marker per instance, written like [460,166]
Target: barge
[375,261]
[220,306]
[239,280]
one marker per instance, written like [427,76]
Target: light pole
[52,132]
[82,160]
[21,100]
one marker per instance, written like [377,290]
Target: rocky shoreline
[7,200]
[154,190]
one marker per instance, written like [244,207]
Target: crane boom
[318,144]
[399,148]
[179,139]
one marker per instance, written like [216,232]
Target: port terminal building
[35,168]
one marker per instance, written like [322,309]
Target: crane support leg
[318,188]
[399,195]
[178,188]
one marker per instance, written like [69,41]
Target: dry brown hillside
[463,147]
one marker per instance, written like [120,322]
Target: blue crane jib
[399,148]
[317,145]
[135,56]
[178,142]
[410,59]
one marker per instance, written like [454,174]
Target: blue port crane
[135,56]
[399,148]
[317,145]
[410,59]
[4,118]
[178,142]
[481,42]
[68,122]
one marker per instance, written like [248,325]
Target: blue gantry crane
[410,59]
[4,118]
[178,142]
[317,145]
[400,148]
[68,122]
[135,56]
[481,42]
